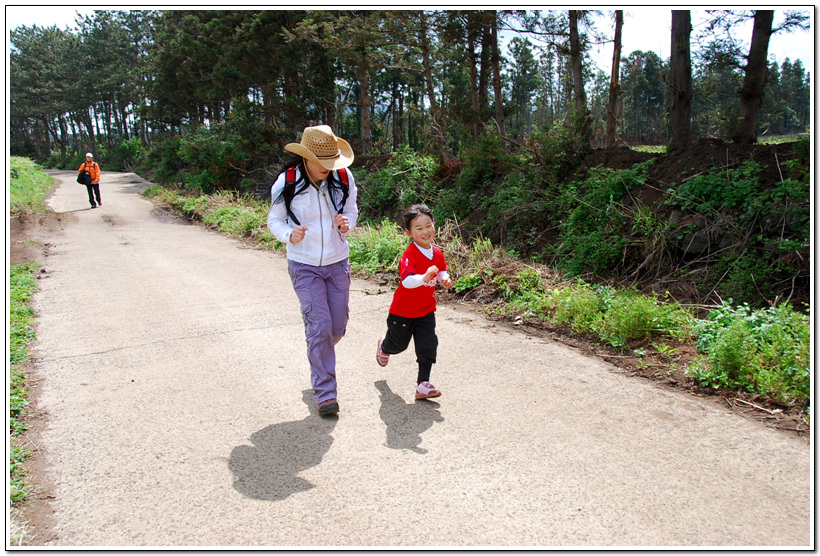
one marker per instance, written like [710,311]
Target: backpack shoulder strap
[289,191]
[344,180]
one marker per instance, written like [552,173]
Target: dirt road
[175,388]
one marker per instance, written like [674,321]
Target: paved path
[178,414]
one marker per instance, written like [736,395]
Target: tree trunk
[680,66]
[582,124]
[484,69]
[63,135]
[751,94]
[394,111]
[329,85]
[438,134]
[499,94]
[614,87]
[366,131]
[472,35]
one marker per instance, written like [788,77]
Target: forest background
[524,142]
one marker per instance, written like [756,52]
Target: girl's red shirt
[416,302]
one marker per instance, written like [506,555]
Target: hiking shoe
[426,390]
[328,407]
[381,357]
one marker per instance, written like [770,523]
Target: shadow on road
[405,421]
[269,469]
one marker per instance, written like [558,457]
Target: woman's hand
[342,223]
[298,234]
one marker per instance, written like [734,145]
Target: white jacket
[323,244]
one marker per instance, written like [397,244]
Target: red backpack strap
[289,191]
[343,176]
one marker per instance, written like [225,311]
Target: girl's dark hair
[293,160]
[413,212]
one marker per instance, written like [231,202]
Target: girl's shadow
[269,469]
[405,422]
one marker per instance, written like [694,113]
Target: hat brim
[344,159]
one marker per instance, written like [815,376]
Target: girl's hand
[447,282]
[431,273]
[298,234]
[342,223]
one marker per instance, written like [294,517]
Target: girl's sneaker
[381,357]
[426,390]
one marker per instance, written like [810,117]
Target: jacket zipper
[321,226]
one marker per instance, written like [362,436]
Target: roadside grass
[22,285]
[29,186]
[776,364]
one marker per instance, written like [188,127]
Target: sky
[645,28]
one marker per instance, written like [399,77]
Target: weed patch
[764,351]
[21,334]
[29,185]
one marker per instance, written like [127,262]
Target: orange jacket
[93,169]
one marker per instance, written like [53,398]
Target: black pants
[423,332]
[93,189]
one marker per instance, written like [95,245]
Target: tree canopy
[433,80]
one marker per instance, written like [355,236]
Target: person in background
[94,187]
[413,311]
[313,207]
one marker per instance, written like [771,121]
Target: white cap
[89,154]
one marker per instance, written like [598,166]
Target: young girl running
[413,311]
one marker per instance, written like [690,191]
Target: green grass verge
[28,188]
[22,285]
[29,185]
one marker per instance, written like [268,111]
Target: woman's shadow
[269,470]
[405,422]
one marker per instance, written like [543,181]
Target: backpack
[84,177]
[290,190]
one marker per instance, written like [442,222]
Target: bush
[597,227]
[407,179]
[734,188]
[128,153]
[376,248]
[765,351]
[28,185]
[616,316]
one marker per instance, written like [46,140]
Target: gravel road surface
[178,414]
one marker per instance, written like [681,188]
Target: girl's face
[422,230]
[317,171]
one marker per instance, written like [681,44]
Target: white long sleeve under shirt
[416,280]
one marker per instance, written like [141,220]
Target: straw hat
[320,145]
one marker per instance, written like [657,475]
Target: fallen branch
[769,411]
